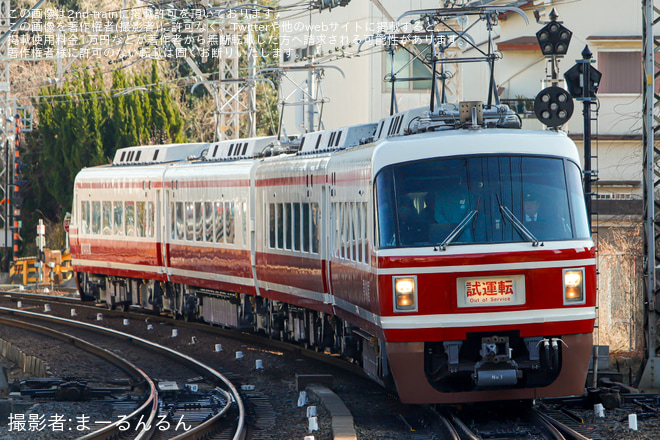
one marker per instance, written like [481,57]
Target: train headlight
[405,294]
[574,286]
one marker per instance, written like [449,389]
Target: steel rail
[149,407]
[207,427]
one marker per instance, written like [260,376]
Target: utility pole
[650,379]
[6,189]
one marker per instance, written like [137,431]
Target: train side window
[208,221]
[199,224]
[342,241]
[219,223]
[118,208]
[288,225]
[230,230]
[297,230]
[106,227]
[96,217]
[315,227]
[365,234]
[129,210]
[351,230]
[280,225]
[151,216]
[172,220]
[141,223]
[305,227]
[84,217]
[244,222]
[271,225]
[335,243]
[190,221]
[180,221]
[358,232]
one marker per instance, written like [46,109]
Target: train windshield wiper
[518,225]
[458,229]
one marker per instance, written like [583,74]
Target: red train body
[402,245]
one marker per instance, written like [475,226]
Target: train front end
[486,267]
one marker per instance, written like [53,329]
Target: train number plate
[490,291]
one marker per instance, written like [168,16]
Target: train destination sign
[490,291]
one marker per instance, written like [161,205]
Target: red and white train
[404,245]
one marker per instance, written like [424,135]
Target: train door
[166,220]
[326,247]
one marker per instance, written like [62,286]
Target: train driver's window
[118,208]
[96,218]
[386,214]
[84,217]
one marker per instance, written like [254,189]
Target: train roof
[153,154]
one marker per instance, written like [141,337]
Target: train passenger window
[118,208]
[271,225]
[172,220]
[335,215]
[365,234]
[208,221]
[280,225]
[190,221]
[106,225]
[96,217]
[229,222]
[297,230]
[129,210]
[288,225]
[151,216]
[316,219]
[244,222]
[141,222]
[305,227]
[199,224]
[358,232]
[219,223]
[84,217]
[180,221]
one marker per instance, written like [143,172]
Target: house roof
[520,43]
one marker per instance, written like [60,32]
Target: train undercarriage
[484,361]
[278,320]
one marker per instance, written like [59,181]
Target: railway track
[162,412]
[549,423]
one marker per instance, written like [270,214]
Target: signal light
[575,78]
[553,106]
[554,38]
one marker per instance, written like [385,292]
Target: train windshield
[491,199]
